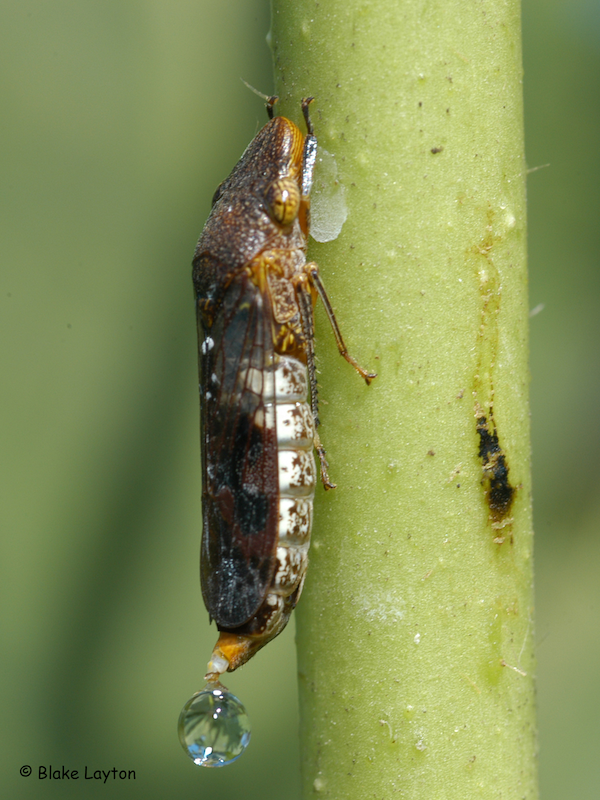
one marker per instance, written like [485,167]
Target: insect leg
[312,272]
[306,101]
[309,156]
[327,484]
[305,302]
[270,103]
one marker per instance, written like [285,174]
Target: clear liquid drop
[214,729]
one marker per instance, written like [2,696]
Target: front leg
[312,272]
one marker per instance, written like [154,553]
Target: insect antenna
[270,100]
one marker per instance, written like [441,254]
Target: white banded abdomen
[297,478]
[297,474]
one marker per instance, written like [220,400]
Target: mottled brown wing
[239,452]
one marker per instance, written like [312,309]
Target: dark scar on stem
[499,492]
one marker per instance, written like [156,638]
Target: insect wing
[239,454]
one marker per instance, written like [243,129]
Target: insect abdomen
[297,475]
[297,479]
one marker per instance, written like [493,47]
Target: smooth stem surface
[415,629]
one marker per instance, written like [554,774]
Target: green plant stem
[415,629]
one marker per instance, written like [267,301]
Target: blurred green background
[119,119]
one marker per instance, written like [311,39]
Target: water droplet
[214,729]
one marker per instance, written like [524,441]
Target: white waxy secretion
[207,345]
[328,210]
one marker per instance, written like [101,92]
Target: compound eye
[283,200]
